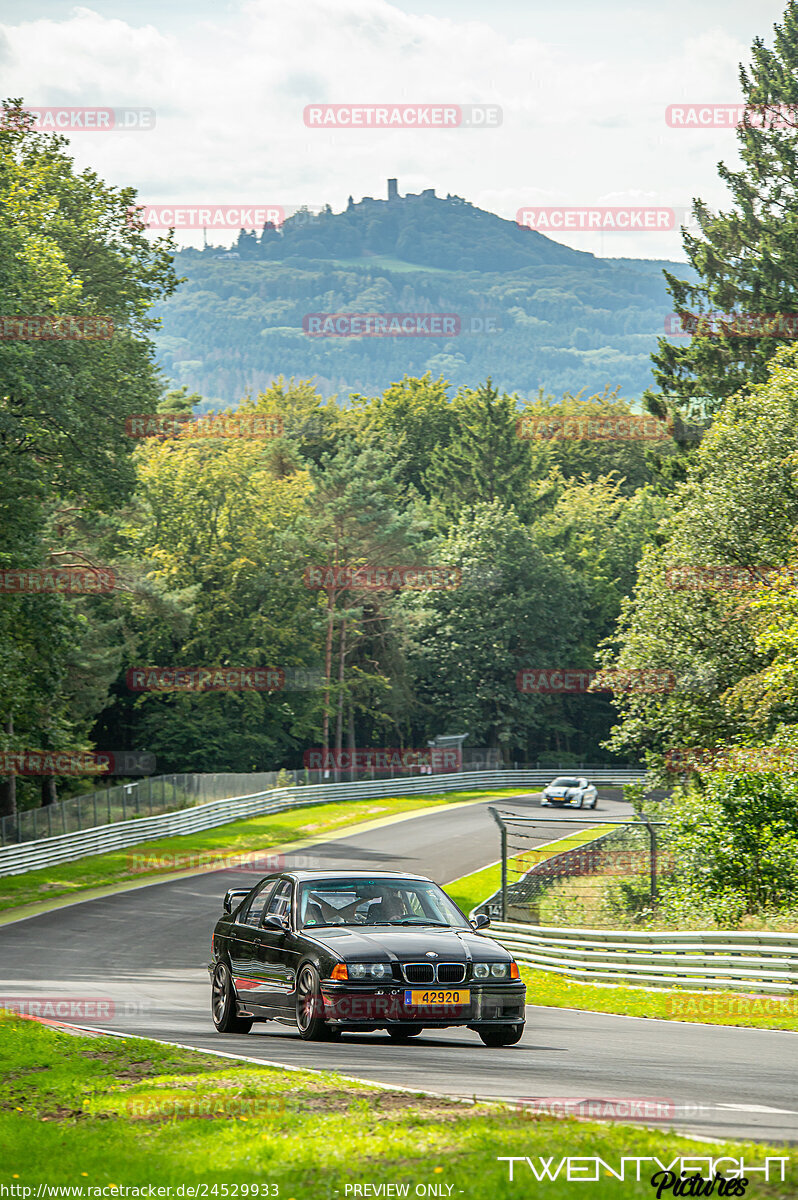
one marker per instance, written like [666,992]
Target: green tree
[724,638]
[67,250]
[485,460]
[518,606]
[745,258]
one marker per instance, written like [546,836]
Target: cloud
[229,93]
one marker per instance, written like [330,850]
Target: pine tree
[746,259]
[486,460]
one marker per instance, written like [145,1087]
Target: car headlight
[500,970]
[481,970]
[369,970]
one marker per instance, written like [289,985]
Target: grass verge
[666,1004]
[94,1113]
[165,855]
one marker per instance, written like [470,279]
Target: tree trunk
[325,721]
[8,786]
[351,739]
[49,793]
[339,719]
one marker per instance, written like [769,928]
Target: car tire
[501,1035]
[309,1007]
[403,1031]
[223,1003]
[595,803]
[581,801]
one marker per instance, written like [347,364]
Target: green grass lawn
[223,842]
[668,1004]
[99,1112]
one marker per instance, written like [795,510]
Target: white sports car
[570,790]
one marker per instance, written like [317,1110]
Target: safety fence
[141,797]
[18,858]
[171,793]
[601,871]
[749,962]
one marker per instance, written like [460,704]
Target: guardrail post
[652,857]
[494,813]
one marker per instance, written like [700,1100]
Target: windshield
[377,902]
[565,781]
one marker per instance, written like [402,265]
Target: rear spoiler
[234,894]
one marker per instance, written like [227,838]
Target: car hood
[382,943]
[560,791]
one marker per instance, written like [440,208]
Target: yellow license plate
[437,996]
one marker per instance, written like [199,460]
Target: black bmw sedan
[331,951]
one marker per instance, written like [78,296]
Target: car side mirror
[272,921]
[232,897]
[481,921]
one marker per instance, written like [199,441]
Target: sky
[582,86]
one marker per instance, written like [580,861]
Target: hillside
[533,313]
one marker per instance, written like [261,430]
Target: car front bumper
[380,1006]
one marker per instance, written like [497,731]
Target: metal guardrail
[170,793]
[30,856]
[758,962]
[142,797]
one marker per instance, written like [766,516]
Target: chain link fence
[598,873]
[142,798]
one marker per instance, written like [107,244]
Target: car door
[277,953]
[244,960]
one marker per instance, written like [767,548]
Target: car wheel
[581,800]
[400,1033]
[501,1035]
[310,1006]
[223,1003]
[595,802]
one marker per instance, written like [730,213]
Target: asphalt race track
[142,953]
